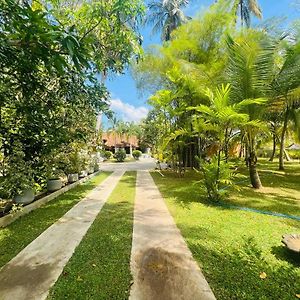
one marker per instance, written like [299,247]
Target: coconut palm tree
[250,72]
[245,8]
[286,87]
[166,15]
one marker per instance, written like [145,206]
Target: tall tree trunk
[254,176]
[282,140]
[274,148]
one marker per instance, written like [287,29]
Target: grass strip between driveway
[240,252]
[100,265]
[24,230]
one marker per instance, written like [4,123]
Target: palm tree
[286,87]
[222,116]
[166,15]
[245,8]
[250,70]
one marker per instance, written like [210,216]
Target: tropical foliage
[52,54]
[220,92]
[166,15]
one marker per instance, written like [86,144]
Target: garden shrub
[107,154]
[136,154]
[120,155]
[218,177]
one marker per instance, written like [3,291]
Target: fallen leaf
[263,275]
[79,278]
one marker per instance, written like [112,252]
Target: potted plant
[91,165]
[17,182]
[73,166]
[84,163]
[54,182]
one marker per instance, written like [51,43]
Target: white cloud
[127,111]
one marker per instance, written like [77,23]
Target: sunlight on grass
[100,266]
[235,247]
[24,230]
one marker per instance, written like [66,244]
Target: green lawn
[234,247]
[280,192]
[100,266]
[24,230]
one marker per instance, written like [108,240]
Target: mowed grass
[235,248]
[280,192]
[24,230]
[100,266]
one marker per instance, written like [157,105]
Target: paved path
[142,164]
[36,268]
[162,265]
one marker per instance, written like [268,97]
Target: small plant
[16,207]
[5,206]
[218,175]
[136,154]
[74,163]
[120,155]
[107,154]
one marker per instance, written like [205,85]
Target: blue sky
[126,101]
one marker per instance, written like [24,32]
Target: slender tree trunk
[226,146]
[286,154]
[274,148]
[254,176]
[282,140]
[218,169]
[199,150]
[241,152]
[246,156]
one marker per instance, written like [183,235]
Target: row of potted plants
[19,182]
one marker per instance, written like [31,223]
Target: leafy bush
[18,176]
[136,154]
[75,163]
[107,154]
[217,177]
[120,155]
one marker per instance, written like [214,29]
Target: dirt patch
[164,276]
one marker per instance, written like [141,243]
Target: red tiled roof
[111,138]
